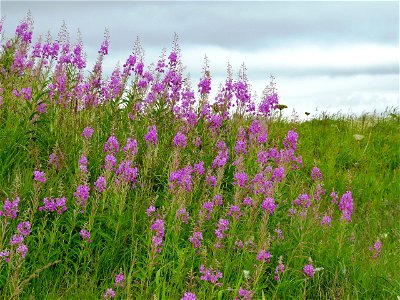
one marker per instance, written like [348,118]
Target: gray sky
[325,55]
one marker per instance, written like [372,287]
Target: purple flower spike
[22,250]
[10,209]
[81,195]
[180,140]
[189,296]
[158,228]
[119,280]
[346,206]
[196,239]
[110,293]
[269,205]
[327,221]
[376,249]
[264,256]
[291,140]
[150,210]
[100,184]
[111,145]
[210,274]
[151,136]
[245,294]
[309,270]
[204,86]
[24,228]
[316,174]
[88,132]
[39,176]
[85,235]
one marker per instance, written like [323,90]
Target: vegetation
[136,186]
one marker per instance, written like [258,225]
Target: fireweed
[184,181]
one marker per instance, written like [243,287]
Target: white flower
[358,137]
[384,235]
[246,273]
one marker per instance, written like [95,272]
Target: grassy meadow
[140,186]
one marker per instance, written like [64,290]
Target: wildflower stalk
[53,235]
[35,202]
[72,227]
[18,289]
[305,289]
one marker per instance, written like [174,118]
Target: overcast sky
[325,56]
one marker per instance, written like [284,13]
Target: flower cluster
[198,168]
[291,140]
[222,157]
[269,205]
[244,294]
[303,200]
[151,136]
[280,268]
[100,184]
[309,270]
[119,280]
[316,174]
[54,205]
[180,140]
[150,211]
[241,179]
[222,226]
[189,296]
[81,196]
[126,172]
[83,163]
[85,235]
[110,162]
[234,211]
[240,147]
[278,174]
[207,208]
[110,293]
[131,147]
[111,146]
[218,200]
[17,242]
[264,256]
[183,214]
[181,179]
[88,132]
[210,274]
[211,180]
[10,208]
[23,31]
[326,220]
[39,176]
[376,249]
[269,103]
[346,206]
[196,239]
[248,202]
[157,239]
[204,86]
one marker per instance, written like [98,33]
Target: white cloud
[300,59]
